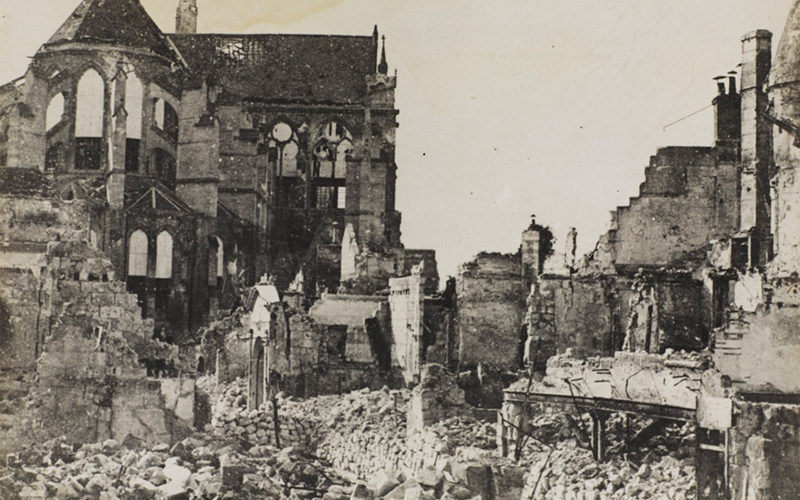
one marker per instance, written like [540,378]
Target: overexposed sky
[507,107]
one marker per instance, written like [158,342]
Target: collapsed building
[78,359]
[703,259]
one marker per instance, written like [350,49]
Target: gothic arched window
[134,95]
[163,255]
[137,254]
[89,113]
[330,165]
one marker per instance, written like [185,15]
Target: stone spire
[383,68]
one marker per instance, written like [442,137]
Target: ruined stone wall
[666,313]
[407,259]
[686,200]
[765,451]
[352,312]
[90,383]
[27,226]
[585,315]
[406,303]
[747,349]
[342,344]
[42,220]
[490,308]
[597,315]
[20,314]
[197,153]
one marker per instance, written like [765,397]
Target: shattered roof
[24,182]
[122,22]
[282,68]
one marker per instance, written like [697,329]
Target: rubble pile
[232,418]
[362,432]
[363,435]
[663,467]
[193,468]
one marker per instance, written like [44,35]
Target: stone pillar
[115,181]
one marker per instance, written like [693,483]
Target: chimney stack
[756,155]
[186,17]
[727,119]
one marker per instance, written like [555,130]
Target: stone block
[232,476]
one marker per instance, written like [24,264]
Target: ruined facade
[644,287]
[214,159]
[75,338]
[754,274]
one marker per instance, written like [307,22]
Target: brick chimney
[186,17]
[727,119]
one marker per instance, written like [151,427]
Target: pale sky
[507,107]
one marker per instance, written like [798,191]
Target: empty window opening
[55,112]
[134,94]
[283,150]
[90,104]
[162,166]
[329,169]
[220,258]
[163,255]
[159,113]
[341,194]
[289,160]
[137,254]
[134,97]
[340,165]
[89,121]
[166,118]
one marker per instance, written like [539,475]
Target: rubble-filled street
[349,446]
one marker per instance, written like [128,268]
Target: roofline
[256,35]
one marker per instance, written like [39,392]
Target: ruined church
[207,162]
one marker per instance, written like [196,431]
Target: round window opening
[282,132]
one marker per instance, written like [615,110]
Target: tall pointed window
[89,120]
[134,94]
[329,171]
[163,255]
[283,156]
[137,254]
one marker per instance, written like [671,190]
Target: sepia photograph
[399,249]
